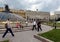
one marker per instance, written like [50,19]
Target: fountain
[8,14]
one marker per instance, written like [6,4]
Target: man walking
[39,25]
[26,23]
[8,28]
[34,25]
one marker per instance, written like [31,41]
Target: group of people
[37,25]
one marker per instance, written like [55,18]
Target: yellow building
[19,12]
[1,9]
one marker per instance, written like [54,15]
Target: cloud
[54,4]
[0,0]
[41,5]
[58,9]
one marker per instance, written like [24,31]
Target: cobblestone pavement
[25,36]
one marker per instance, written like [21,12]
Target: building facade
[56,15]
[18,12]
[37,15]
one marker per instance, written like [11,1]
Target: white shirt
[26,22]
[8,23]
[34,23]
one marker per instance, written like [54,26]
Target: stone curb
[42,38]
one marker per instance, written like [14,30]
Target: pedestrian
[8,28]
[26,23]
[34,25]
[21,26]
[39,25]
[18,24]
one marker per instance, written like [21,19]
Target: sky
[41,5]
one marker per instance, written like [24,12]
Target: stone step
[16,30]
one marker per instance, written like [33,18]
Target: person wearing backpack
[8,28]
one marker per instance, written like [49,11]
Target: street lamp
[55,21]
[36,14]
[53,16]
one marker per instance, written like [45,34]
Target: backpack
[6,26]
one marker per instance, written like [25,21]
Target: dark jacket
[39,23]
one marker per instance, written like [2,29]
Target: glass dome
[11,16]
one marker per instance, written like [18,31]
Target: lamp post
[55,22]
[36,14]
[53,16]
